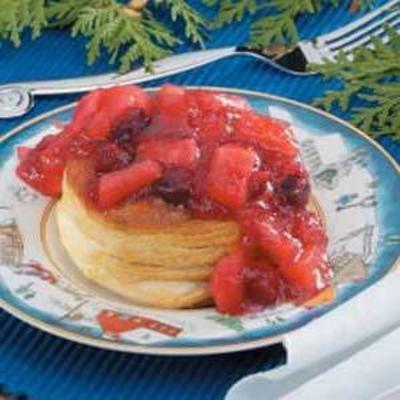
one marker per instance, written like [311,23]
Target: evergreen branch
[274,30]
[38,18]
[280,27]
[230,11]
[284,30]
[370,77]
[195,24]
[126,32]
[152,36]
[18,15]
[65,13]
[122,34]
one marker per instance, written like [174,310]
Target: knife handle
[162,68]
[16,99]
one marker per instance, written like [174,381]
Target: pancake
[146,251]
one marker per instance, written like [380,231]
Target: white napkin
[327,341]
[365,376]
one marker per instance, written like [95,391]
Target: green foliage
[114,30]
[370,75]
[65,13]
[230,11]
[280,27]
[16,15]
[129,35]
[126,34]
[195,24]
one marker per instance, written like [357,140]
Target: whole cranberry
[126,130]
[294,190]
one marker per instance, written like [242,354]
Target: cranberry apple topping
[214,157]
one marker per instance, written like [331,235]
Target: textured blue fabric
[49,368]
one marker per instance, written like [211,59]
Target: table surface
[46,368]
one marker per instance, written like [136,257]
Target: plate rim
[105,344]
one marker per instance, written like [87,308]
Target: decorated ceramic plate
[355,184]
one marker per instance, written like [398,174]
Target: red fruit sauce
[213,156]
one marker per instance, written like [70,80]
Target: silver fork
[17,99]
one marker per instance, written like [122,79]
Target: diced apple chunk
[230,170]
[170,152]
[118,185]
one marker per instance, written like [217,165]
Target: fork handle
[164,67]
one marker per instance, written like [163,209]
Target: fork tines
[355,34]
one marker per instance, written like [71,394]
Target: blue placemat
[47,368]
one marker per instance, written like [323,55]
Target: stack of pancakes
[146,251]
